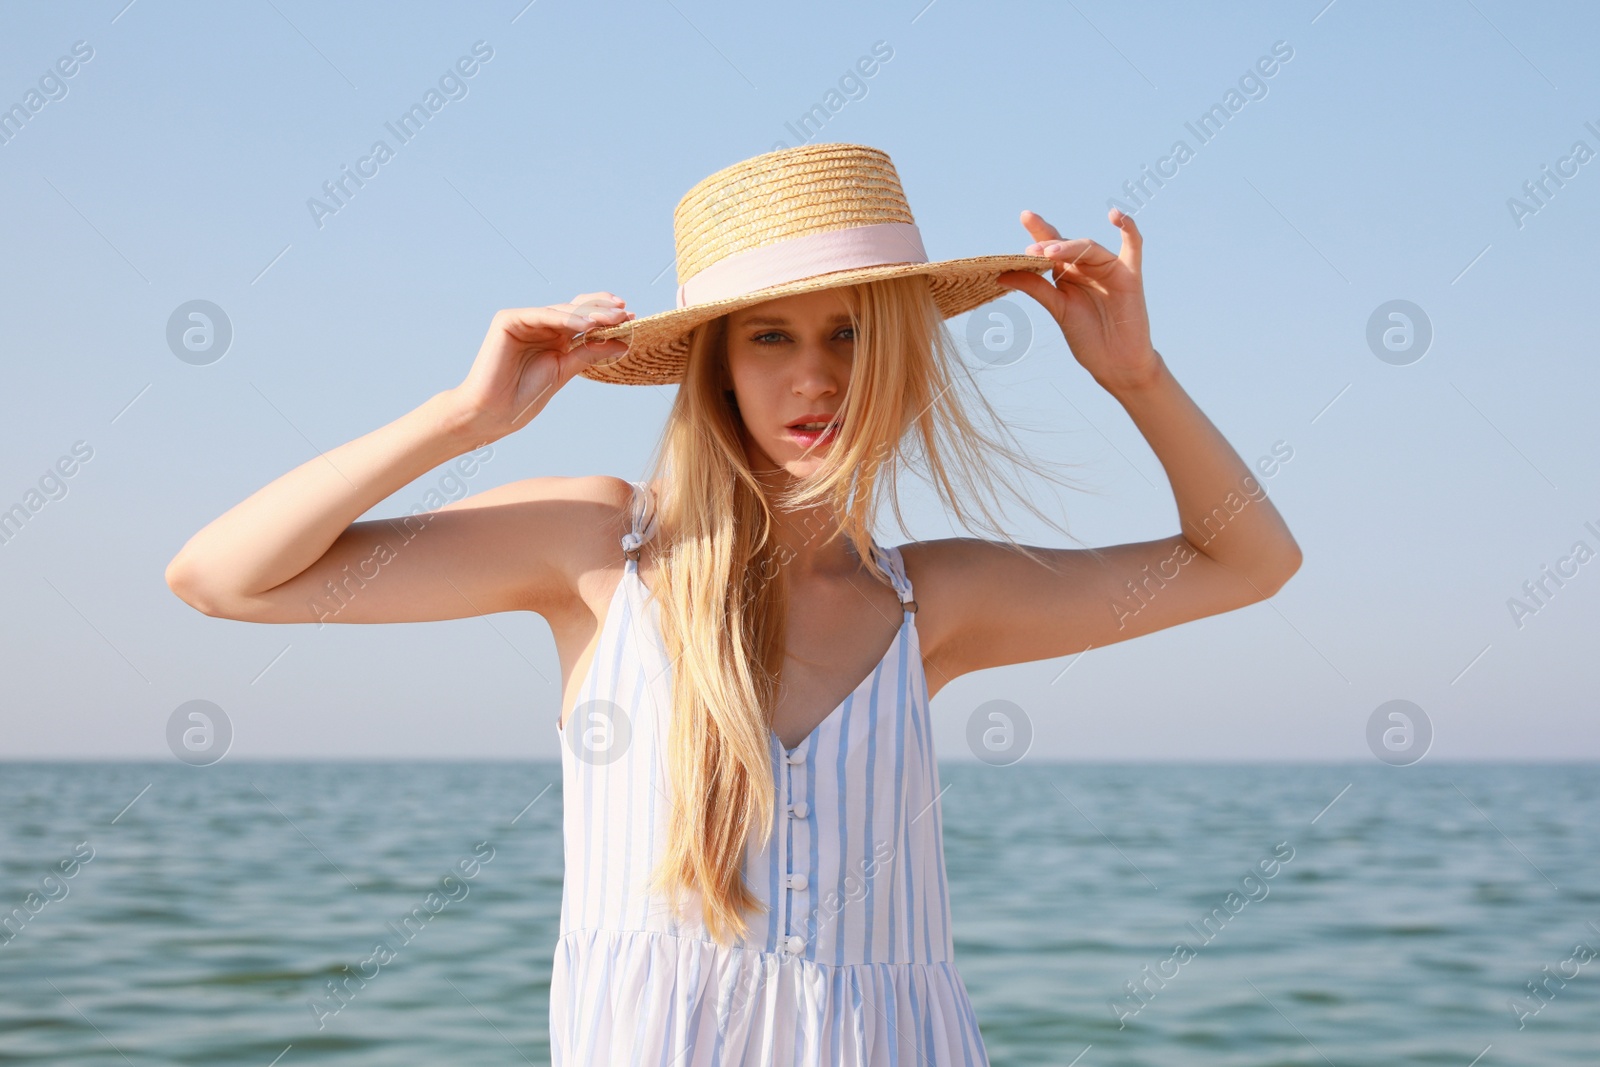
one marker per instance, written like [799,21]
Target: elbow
[189,589]
[1285,569]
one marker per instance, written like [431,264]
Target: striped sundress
[851,964]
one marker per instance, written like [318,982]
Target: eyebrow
[778,320]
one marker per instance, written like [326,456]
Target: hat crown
[780,195]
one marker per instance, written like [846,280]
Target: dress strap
[897,574]
[643,511]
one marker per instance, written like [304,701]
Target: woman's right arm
[294,552]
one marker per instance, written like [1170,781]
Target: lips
[808,438]
[814,422]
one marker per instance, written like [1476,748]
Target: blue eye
[760,338]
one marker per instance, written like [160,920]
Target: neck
[806,535]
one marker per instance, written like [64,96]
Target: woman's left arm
[1098,301]
[989,606]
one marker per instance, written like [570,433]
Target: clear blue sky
[1374,164]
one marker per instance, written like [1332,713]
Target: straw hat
[786,222]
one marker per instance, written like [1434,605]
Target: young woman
[753,862]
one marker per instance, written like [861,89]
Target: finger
[599,350]
[599,298]
[592,310]
[1026,281]
[525,324]
[578,317]
[1132,240]
[589,306]
[1041,230]
[1080,274]
[1080,279]
[603,314]
[1080,251]
[586,342]
[582,318]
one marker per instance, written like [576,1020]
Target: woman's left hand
[1097,300]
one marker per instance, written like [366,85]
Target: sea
[1270,915]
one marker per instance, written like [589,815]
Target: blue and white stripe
[852,964]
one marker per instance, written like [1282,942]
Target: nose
[817,371]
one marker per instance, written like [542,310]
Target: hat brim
[658,345]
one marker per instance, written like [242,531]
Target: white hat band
[797,258]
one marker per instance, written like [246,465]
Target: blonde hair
[721,584]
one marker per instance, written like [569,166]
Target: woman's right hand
[524,361]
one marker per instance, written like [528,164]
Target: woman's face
[789,360]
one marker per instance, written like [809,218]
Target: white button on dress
[850,961]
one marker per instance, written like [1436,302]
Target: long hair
[721,584]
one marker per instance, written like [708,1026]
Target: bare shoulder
[946,575]
[984,603]
[590,498]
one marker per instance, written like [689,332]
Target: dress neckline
[646,597]
[906,621]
